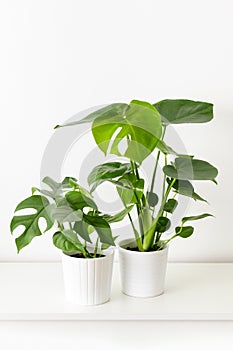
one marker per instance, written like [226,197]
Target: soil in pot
[81,256]
[135,249]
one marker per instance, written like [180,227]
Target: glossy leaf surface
[31,221]
[184,111]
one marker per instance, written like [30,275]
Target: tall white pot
[88,281]
[142,273]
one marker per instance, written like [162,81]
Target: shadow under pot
[142,273]
[88,281]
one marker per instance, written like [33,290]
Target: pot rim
[108,252]
[137,252]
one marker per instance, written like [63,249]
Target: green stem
[164,243]
[138,204]
[154,172]
[164,185]
[150,234]
[85,252]
[61,227]
[158,236]
[167,194]
[137,237]
[96,247]
[157,162]
[164,178]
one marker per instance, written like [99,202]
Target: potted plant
[72,213]
[134,132]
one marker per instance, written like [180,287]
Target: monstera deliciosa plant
[71,211]
[134,131]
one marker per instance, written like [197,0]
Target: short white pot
[142,273]
[88,281]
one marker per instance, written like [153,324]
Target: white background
[60,57]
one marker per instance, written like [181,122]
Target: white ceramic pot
[88,281]
[142,273]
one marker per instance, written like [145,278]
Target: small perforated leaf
[31,221]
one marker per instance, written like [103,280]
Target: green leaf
[163,224]
[67,241]
[105,246]
[195,217]
[82,229]
[107,112]
[185,231]
[184,111]
[196,197]
[119,216]
[185,188]
[31,221]
[140,124]
[152,199]
[102,228]
[130,189]
[51,183]
[69,182]
[35,189]
[144,104]
[164,148]
[170,206]
[57,188]
[78,200]
[106,171]
[66,214]
[191,169]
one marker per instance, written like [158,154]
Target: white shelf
[34,291]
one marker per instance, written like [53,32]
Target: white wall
[60,57]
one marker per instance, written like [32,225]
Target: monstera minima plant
[71,212]
[69,209]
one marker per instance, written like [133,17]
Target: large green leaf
[106,112]
[31,221]
[102,228]
[191,169]
[140,125]
[185,188]
[184,111]
[68,241]
[106,171]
